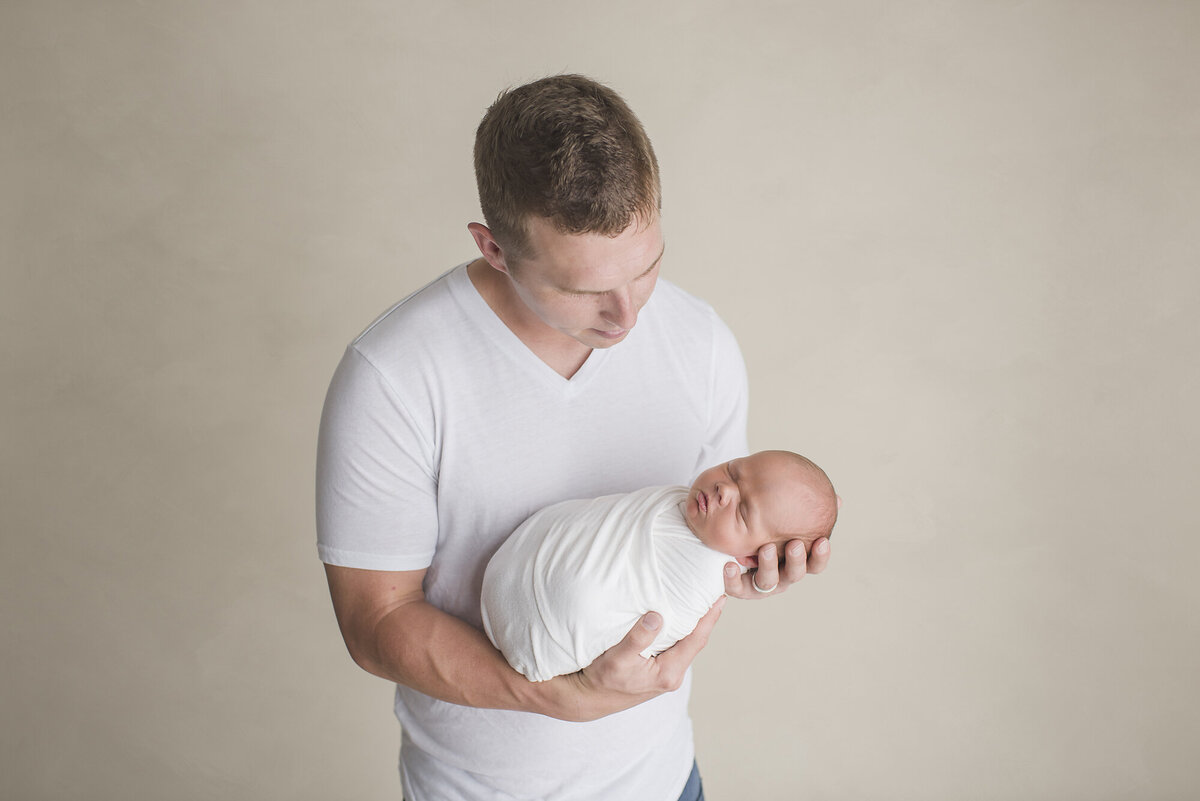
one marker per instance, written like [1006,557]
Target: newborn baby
[575,577]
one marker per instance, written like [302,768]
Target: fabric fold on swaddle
[575,577]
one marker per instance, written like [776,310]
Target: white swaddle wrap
[575,577]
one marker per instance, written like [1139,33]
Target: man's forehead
[587,281]
[596,263]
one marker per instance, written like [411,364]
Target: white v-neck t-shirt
[442,432]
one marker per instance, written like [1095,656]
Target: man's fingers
[770,577]
[795,564]
[622,669]
[819,556]
[766,577]
[733,580]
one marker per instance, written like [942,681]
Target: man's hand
[621,677]
[774,575]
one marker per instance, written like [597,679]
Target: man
[550,368]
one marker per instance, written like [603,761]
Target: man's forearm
[422,647]
[392,632]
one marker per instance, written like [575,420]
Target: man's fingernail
[730,571]
[652,621]
[769,552]
[795,550]
[823,548]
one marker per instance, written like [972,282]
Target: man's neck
[562,353]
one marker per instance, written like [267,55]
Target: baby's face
[744,504]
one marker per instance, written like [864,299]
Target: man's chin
[602,339]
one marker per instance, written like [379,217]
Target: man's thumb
[642,635]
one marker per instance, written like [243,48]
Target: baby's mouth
[702,502]
[748,561]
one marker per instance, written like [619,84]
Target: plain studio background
[957,242]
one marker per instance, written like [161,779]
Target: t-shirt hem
[369,561]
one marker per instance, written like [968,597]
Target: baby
[575,577]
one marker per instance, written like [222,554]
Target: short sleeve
[376,481]
[728,400]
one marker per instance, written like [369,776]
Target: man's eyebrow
[655,262]
[649,270]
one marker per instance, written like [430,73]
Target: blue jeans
[694,789]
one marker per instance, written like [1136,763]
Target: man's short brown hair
[568,149]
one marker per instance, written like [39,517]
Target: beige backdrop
[957,242]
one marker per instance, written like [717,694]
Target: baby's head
[768,497]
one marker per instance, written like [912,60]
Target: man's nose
[621,310]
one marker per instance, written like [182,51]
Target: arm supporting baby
[393,632]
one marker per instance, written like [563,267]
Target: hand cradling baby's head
[767,497]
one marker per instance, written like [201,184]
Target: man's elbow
[366,646]
[367,605]
[361,655]
[366,655]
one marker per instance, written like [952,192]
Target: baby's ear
[839,500]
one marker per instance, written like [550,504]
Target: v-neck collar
[496,333]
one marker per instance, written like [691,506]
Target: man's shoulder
[415,311]
[676,312]
[676,300]
[414,331]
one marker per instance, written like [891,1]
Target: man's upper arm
[363,598]
[376,487]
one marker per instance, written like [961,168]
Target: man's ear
[488,246]
[839,500]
